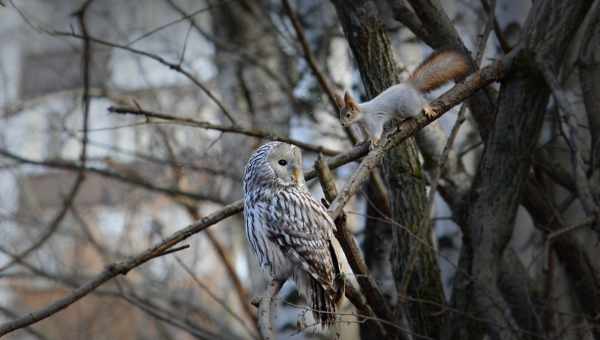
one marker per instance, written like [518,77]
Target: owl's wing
[302,228]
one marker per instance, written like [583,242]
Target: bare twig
[491,9]
[119,268]
[72,166]
[308,55]
[266,307]
[52,227]
[173,66]
[220,301]
[590,221]
[237,283]
[582,184]
[232,49]
[112,270]
[169,318]
[178,20]
[70,198]
[253,132]
[174,250]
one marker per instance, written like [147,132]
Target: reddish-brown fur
[438,68]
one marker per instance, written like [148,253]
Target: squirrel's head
[349,110]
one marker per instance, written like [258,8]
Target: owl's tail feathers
[323,303]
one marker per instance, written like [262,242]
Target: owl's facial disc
[286,162]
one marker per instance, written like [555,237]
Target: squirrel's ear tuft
[350,102]
[338,101]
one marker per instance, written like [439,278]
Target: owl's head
[274,163]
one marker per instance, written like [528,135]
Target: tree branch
[252,132]
[266,309]
[172,66]
[310,58]
[72,166]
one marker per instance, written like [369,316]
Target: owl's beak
[297,175]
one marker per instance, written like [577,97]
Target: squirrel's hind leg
[429,113]
[373,142]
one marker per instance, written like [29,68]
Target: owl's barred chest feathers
[281,220]
[260,208]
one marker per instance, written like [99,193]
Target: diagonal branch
[108,273]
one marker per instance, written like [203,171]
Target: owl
[288,230]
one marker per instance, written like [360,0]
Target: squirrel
[406,99]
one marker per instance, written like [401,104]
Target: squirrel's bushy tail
[438,69]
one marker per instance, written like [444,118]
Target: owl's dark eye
[282,162]
[348,115]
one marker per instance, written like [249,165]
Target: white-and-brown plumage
[288,230]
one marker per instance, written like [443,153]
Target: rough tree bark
[589,73]
[429,23]
[505,163]
[414,262]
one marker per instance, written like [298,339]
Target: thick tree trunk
[495,193]
[414,262]
[504,166]
[589,72]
